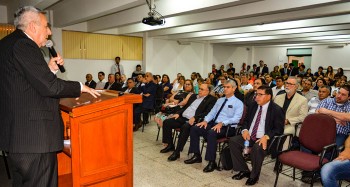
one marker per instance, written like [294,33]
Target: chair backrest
[317,131]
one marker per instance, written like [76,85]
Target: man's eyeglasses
[188,84]
[202,89]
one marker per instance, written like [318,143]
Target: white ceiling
[229,22]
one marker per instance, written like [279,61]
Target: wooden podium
[100,152]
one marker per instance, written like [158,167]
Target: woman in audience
[244,68]
[211,76]
[275,73]
[251,78]
[177,100]
[340,72]
[177,77]
[179,85]
[166,85]
[330,72]
[319,83]
[319,72]
[335,88]
[199,83]
[308,73]
[118,79]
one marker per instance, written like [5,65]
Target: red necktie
[256,125]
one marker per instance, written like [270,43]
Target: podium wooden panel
[100,140]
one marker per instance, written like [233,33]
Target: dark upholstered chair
[317,134]
[6,164]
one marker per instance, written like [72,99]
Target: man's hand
[217,127]
[246,135]
[345,155]
[191,121]
[202,124]
[91,91]
[343,123]
[54,61]
[323,111]
[286,122]
[175,116]
[147,95]
[263,142]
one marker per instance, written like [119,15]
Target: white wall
[168,57]
[3,14]
[223,55]
[272,56]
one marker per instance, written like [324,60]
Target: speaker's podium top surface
[88,104]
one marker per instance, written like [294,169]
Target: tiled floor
[151,168]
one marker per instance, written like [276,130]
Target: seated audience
[199,82]
[307,92]
[231,70]
[264,120]
[269,81]
[293,104]
[338,169]
[285,70]
[319,72]
[101,82]
[111,84]
[244,84]
[338,104]
[293,70]
[123,81]
[319,82]
[279,86]
[166,85]
[323,93]
[275,73]
[308,73]
[89,82]
[340,72]
[196,108]
[194,78]
[179,85]
[140,81]
[218,90]
[330,73]
[221,121]
[249,98]
[137,72]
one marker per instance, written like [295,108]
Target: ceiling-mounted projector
[154,17]
[153,21]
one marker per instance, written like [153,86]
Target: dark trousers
[257,155]
[138,110]
[169,125]
[34,169]
[183,136]
[211,136]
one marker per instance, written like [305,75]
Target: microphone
[49,45]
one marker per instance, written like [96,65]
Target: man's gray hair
[233,83]
[25,15]
[294,78]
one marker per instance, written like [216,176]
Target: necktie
[256,125]
[222,106]
[119,69]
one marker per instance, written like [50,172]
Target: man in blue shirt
[221,121]
[339,104]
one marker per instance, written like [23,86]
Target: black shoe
[168,148]
[196,158]
[241,175]
[174,156]
[210,167]
[251,181]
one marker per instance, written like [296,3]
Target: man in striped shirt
[340,103]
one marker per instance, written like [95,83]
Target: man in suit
[293,70]
[195,109]
[111,84]
[221,121]
[31,127]
[131,87]
[262,69]
[265,120]
[285,70]
[293,104]
[89,82]
[269,82]
[101,82]
[249,98]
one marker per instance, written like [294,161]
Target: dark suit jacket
[264,70]
[133,90]
[203,108]
[282,71]
[30,118]
[115,86]
[295,71]
[149,88]
[274,123]
[91,85]
[271,85]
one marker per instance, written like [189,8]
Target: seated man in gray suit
[265,119]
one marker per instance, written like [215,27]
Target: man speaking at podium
[31,127]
